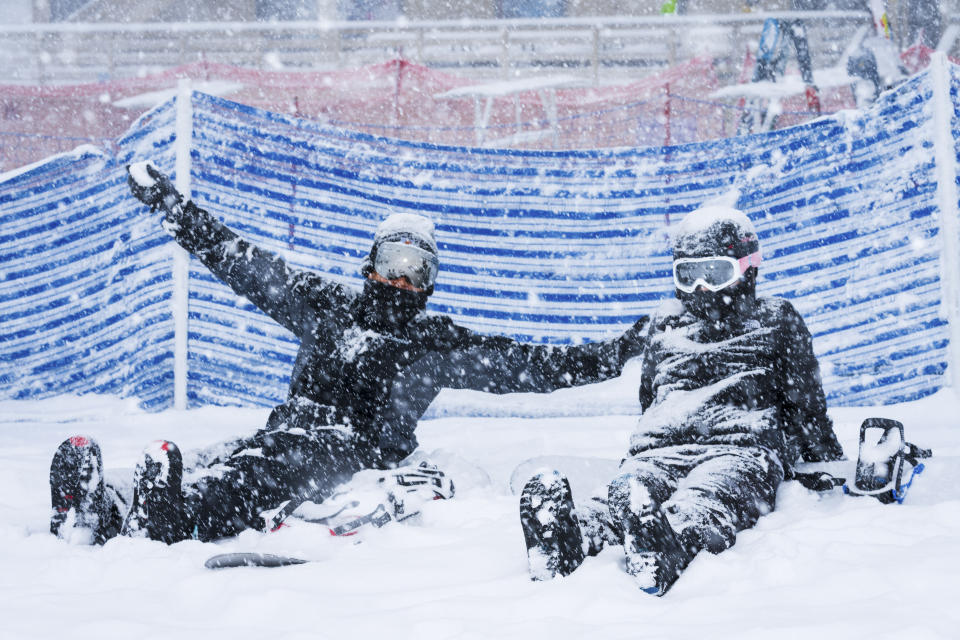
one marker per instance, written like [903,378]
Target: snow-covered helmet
[715,231]
[716,253]
[404,245]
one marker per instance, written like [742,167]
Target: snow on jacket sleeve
[289,296]
[807,427]
[498,364]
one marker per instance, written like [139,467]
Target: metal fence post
[946,168]
[666,115]
[180,260]
[505,53]
[596,56]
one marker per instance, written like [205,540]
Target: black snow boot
[158,510]
[655,557]
[550,528]
[85,509]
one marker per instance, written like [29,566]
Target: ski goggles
[406,260]
[714,273]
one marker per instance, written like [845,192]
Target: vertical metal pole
[673,48]
[397,86]
[596,56]
[180,260]
[666,115]
[112,55]
[946,168]
[505,53]
[477,121]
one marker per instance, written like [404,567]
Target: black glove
[633,341]
[151,187]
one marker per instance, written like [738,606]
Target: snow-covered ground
[821,566]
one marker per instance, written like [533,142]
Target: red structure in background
[400,99]
[395,98]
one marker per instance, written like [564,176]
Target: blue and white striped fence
[856,213]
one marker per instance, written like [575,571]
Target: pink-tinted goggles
[713,273]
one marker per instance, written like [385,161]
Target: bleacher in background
[601,49]
[554,246]
[625,80]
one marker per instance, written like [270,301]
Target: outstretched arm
[498,364]
[289,296]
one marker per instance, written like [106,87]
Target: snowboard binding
[882,452]
[374,499]
[408,489]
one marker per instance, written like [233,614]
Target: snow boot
[158,509]
[655,557]
[84,508]
[550,528]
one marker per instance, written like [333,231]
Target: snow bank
[826,566]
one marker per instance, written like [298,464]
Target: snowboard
[587,475]
[247,559]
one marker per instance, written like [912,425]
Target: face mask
[384,306]
[733,302]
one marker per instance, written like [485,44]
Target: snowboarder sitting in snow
[731,398]
[369,364]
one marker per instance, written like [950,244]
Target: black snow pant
[268,469]
[707,492]
[864,65]
[301,453]
[770,66]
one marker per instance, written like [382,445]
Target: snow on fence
[856,212]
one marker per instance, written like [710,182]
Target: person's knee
[636,486]
[710,520]
[711,537]
[631,495]
[224,507]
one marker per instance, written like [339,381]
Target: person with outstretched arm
[370,361]
[731,400]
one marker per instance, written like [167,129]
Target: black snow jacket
[378,378]
[751,380]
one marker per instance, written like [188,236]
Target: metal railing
[602,49]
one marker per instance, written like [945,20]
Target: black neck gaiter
[386,308]
[726,307]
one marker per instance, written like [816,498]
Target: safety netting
[543,245]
